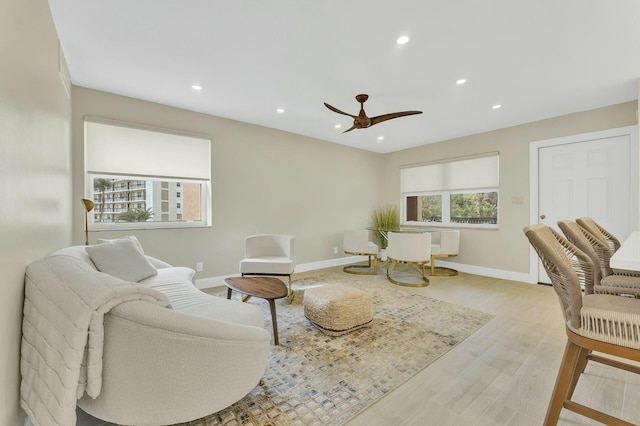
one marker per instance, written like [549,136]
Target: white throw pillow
[122,259]
[127,238]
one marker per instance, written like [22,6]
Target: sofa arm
[161,366]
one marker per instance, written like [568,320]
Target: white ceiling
[537,58]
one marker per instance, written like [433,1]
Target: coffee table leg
[229,293]
[274,321]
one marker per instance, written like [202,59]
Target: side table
[267,288]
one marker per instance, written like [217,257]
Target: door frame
[534,148]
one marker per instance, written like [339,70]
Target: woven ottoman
[337,310]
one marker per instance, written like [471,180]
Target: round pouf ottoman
[337,310]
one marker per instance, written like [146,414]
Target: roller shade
[481,172]
[112,149]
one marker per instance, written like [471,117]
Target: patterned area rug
[314,379]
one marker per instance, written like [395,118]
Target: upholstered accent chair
[606,281]
[356,242]
[269,254]
[412,248]
[445,243]
[594,322]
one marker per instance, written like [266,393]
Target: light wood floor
[501,375]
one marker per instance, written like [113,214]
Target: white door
[591,177]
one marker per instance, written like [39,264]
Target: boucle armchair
[269,254]
[356,242]
[412,248]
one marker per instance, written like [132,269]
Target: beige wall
[264,181]
[505,249]
[35,170]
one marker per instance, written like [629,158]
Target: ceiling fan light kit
[361,121]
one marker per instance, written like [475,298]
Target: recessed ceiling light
[497,106]
[337,126]
[196,87]
[402,40]
[380,138]
[280,110]
[461,81]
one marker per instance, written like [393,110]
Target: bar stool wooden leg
[563,381]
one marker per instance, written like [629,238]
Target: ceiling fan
[361,121]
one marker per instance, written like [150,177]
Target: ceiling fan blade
[350,129]
[385,117]
[334,109]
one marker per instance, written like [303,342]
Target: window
[134,173]
[461,192]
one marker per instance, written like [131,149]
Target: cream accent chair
[446,245]
[269,254]
[412,248]
[600,323]
[356,242]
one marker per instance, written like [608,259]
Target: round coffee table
[268,288]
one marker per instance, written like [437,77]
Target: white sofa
[160,365]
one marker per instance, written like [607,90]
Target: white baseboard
[487,272]
[211,282]
[304,267]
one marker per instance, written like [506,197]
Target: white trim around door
[534,147]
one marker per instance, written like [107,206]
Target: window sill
[452,225]
[144,226]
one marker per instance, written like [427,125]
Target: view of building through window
[125,199]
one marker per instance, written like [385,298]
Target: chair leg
[581,364]
[421,267]
[567,370]
[364,269]
[291,295]
[441,271]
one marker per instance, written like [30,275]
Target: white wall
[505,249]
[264,181]
[35,171]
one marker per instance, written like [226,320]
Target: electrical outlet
[199,267]
[335,250]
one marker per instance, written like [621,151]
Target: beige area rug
[314,379]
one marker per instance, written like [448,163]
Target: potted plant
[384,218]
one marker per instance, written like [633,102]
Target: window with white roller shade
[142,177]
[455,192]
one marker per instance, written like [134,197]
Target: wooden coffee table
[268,288]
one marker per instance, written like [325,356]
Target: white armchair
[446,243]
[356,242]
[410,248]
[269,254]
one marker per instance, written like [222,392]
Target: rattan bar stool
[606,280]
[594,322]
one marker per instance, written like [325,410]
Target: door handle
[542,216]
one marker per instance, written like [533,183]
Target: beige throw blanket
[62,334]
